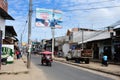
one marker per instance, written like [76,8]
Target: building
[61,44]
[79,35]
[116,44]
[4,5]
[10,36]
[6,33]
[4,16]
[36,47]
[98,40]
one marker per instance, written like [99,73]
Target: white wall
[65,48]
[101,46]
[2,26]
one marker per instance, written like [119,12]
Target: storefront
[116,44]
[117,49]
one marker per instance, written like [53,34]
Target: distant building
[98,40]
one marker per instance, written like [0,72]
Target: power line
[24,27]
[74,5]
[92,8]
[90,3]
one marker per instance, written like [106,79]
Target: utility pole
[53,40]
[53,33]
[29,34]
[82,39]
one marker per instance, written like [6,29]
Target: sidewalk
[18,71]
[111,69]
[17,67]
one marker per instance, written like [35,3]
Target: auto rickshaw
[46,58]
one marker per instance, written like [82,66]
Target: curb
[108,62]
[15,73]
[96,69]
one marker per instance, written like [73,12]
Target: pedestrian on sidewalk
[105,60]
[17,54]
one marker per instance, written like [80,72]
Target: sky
[91,14]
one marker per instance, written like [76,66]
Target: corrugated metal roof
[77,36]
[99,36]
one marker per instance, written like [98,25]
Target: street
[59,71]
[82,37]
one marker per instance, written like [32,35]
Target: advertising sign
[8,52]
[48,17]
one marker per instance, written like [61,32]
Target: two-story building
[7,33]
[4,16]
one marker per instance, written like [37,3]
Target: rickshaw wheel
[50,64]
[42,62]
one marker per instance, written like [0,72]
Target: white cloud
[101,14]
[83,18]
[116,12]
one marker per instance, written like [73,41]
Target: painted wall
[2,26]
[66,48]
[4,5]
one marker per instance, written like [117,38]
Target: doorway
[96,51]
[108,52]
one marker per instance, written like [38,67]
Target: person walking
[17,54]
[105,60]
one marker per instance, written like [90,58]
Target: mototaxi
[46,58]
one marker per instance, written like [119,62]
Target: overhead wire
[90,3]
[93,8]
[24,27]
[82,9]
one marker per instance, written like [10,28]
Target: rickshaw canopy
[46,52]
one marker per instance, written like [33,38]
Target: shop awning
[10,30]
[5,15]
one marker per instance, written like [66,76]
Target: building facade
[4,16]
[4,5]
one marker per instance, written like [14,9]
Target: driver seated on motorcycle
[45,57]
[48,57]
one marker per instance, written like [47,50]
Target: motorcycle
[46,58]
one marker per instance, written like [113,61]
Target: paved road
[60,71]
